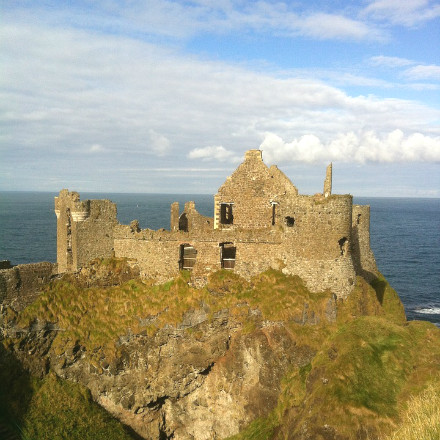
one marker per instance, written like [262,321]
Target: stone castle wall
[259,222]
[320,226]
[84,230]
[158,252]
[252,191]
[95,233]
[363,257]
[191,220]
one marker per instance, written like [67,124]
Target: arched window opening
[183,223]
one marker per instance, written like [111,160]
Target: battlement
[259,221]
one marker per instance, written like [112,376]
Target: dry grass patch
[421,420]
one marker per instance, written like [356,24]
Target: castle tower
[328,181]
[84,230]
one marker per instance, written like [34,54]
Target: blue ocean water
[405,236]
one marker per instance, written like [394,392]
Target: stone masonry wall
[321,226]
[253,188]
[95,234]
[195,221]
[336,275]
[363,257]
[322,238]
[84,230]
[158,252]
[21,285]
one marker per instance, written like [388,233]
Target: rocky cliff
[260,359]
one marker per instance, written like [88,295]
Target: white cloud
[142,101]
[180,19]
[423,86]
[423,72]
[211,153]
[390,61]
[334,26]
[351,147]
[96,148]
[406,13]
[159,144]
[124,91]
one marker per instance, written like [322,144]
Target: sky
[166,96]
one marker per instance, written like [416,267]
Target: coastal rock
[200,379]
[275,359]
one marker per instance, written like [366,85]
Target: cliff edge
[263,358]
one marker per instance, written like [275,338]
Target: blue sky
[166,96]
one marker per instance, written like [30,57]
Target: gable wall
[252,187]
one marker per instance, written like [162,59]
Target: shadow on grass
[379,286]
[32,408]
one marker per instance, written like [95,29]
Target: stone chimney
[328,181]
[174,221]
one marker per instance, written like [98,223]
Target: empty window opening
[227,255]
[183,223]
[290,221]
[226,216]
[358,220]
[188,255]
[343,245]
[274,212]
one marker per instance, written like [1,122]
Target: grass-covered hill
[266,358]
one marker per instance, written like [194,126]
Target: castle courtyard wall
[158,252]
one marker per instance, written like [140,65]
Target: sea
[405,236]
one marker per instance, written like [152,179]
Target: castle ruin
[260,221]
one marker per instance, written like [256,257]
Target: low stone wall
[22,284]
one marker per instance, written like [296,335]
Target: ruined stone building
[259,221]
